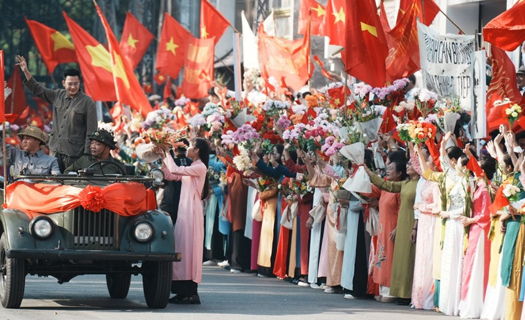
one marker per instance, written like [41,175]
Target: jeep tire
[12,277]
[118,284]
[156,281]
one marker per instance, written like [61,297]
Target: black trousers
[240,251]
[184,287]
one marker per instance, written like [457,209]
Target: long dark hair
[204,155]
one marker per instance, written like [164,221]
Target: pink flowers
[244,136]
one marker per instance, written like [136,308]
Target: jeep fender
[163,239]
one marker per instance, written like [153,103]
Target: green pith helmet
[33,132]
[103,136]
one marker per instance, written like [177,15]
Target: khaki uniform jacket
[73,119]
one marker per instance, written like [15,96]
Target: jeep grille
[94,230]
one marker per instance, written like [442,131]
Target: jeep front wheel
[156,281]
[13,278]
[118,285]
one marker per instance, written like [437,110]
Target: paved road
[224,296]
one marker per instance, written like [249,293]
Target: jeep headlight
[42,228]
[143,231]
[157,175]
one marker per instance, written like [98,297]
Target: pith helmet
[33,132]
[103,136]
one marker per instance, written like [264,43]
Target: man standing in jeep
[102,143]
[74,115]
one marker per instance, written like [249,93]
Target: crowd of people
[365,192]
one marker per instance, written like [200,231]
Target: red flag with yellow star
[95,63]
[126,84]
[507,31]
[366,47]
[198,68]
[54,48]
[213,23]
[135,40]
[335,21]
[159,78]
[171,51]
[316,13]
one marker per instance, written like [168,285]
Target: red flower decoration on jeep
[92,198]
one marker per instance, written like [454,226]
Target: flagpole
[4,158]
[309,49]
[452,21]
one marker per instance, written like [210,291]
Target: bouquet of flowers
[242,161]
[359,181]
[513,113]
[403,130]
[425,101]
[245,137]
[158,119]
[236,111]
[294,135]
[368,120]
[163,136]
[388,96]
[448,114]
[274,108]
[421,131]
[331,146]
[266,183]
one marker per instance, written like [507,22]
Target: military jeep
[69,225]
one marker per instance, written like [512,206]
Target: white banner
[447,64]
[478,114]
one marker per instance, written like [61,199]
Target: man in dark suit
[170,201]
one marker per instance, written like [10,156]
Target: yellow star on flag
[339,16]
[337,101]
[320,11]
[131,41]
[171,46]
[371,29]
[204,33]
[59,42]
[100,58]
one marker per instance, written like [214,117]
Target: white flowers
[510,190]
[275,105]
[408,105]
[242,162]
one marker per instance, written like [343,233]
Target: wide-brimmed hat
[33,132]
[521,70]
[103,136]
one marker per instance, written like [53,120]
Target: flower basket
[242,118]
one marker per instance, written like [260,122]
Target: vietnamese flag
[126,84]
[213,23]
[383,18]
[366,47]
[403,58]
[316,13]
[199,59]
[171,50]
[431,10]
[2,97]
[135,40]
[95,63]
[324,72]
[503,85]
[335,21]
[16,101]
[284,59]
[507,31]
[52,45]
[159,78]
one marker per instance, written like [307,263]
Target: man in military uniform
[102,142]
[74,115]
[30,158]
